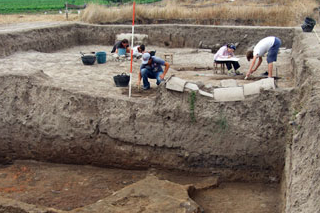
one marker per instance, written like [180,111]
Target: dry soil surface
[65,69]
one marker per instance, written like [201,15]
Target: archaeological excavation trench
[57,113]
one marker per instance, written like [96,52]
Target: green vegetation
[222,123]
[192,100]
[23,6]
[219,126]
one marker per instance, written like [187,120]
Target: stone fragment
[148,195]
[228,83]
[228,94]
[176,84]
[255,87]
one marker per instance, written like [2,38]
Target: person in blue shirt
[124,44]
[151,67]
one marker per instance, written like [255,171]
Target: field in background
[218,12]
[32,6]
[243,12]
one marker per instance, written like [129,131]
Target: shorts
[273,51]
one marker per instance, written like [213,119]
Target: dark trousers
[229,64]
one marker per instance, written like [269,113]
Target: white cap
[145,58]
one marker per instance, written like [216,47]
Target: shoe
[160,82]
[230,73]
[265,74]
[146,88]
[246,78]
[238,73]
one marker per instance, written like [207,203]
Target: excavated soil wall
[68,35]
[239,140]
[302,173]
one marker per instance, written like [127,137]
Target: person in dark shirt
[151,67]
[124,44]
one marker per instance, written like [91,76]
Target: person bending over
[269,44]
[124,44]
[138,51]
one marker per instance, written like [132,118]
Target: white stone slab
[267,83]
[228,83]
[228,94]
[138,38]
[176,84]
[191,86]
[204,93]
[251,88]
[255,87]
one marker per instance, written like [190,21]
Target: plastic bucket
[121,80]
[101,57]
[122,51]
[88,59]
[308,24]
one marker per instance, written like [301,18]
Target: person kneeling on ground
[138,51]
[269,44]
[224,53]
[124,44]
[151,67]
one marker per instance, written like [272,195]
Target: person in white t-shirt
[269,44]
[138,51]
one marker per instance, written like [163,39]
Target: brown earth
[67,187]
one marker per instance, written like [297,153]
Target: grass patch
[222,123]
[243,12]
[32,6]
[192,101]
[264,13]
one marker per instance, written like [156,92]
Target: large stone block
[228,83]
[228,94]
[137,39]
[255,87]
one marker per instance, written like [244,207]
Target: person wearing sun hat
[151,67]
[222,56]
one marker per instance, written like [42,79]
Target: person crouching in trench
[151,67]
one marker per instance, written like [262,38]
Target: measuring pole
[134,5]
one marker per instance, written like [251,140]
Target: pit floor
[66,187]
[66,70]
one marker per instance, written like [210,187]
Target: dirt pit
[66,187]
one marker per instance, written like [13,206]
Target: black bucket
[308,24]
[88,59]
[121,80]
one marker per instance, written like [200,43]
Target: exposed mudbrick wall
[65,36]
[40,39]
